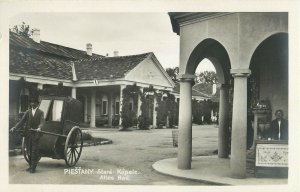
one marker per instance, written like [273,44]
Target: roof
[42,59]
[108,67]
[34,63]
[207,88]
[50,60]
[195,92]
[46,47]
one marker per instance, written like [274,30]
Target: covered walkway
[211,170]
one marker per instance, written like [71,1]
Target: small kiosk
[271,156]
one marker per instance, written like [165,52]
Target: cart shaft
[48,133]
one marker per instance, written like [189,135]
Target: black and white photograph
[198,98]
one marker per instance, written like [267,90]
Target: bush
[86,136]
[129,119]
[129,116]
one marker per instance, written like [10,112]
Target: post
[93,109]
[74,92]
[223,138]
[239,124]
[154,121]
[121,102]
[110,111]
[139,112]
[40,86]
[185,122]
[85,109]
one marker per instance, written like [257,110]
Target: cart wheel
[25,149]
[73,146]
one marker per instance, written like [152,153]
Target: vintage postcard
[127,95]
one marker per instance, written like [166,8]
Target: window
[52,109]
[131,104]
[57,110]
[44,106]
[104,105]
[117,108]
[24,103]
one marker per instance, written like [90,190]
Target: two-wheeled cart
[61,135]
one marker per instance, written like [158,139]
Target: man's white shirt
[33,111]
[279,123]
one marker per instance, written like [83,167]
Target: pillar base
[237,176]
[185,166]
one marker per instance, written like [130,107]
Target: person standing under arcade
[279,127]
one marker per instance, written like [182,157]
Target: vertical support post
[139,112]
[121,102]
[85,109]
[74,92]
[239,124]
[223,139]
[185,122]
[40,86]
[110,111]
[93,109]
[154,121]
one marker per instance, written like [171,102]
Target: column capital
[123,86]
[186,78]
[240,72]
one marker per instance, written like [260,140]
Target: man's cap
[33,100]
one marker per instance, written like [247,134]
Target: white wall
[147,72]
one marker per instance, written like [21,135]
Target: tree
[23,29]
[207,77]
[173,72]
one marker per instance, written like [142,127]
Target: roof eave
[177,18]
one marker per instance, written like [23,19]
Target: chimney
[89,50]
[36,35]
[116,53]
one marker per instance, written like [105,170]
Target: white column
[74,92]
[121,102]
[154,121]
[223,139]
[110,110]
[40,86]
[85,109]
[239,124]
[139,112]
[93,108]
[185,123]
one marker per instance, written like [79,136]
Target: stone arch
[269,66]
[216,53]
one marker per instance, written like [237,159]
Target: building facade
[97,81]
[250,54]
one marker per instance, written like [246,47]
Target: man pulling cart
[33,119]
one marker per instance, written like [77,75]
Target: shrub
[129,116]
[86,136]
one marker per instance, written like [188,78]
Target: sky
[127,33]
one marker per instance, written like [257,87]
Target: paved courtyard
[128,161]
